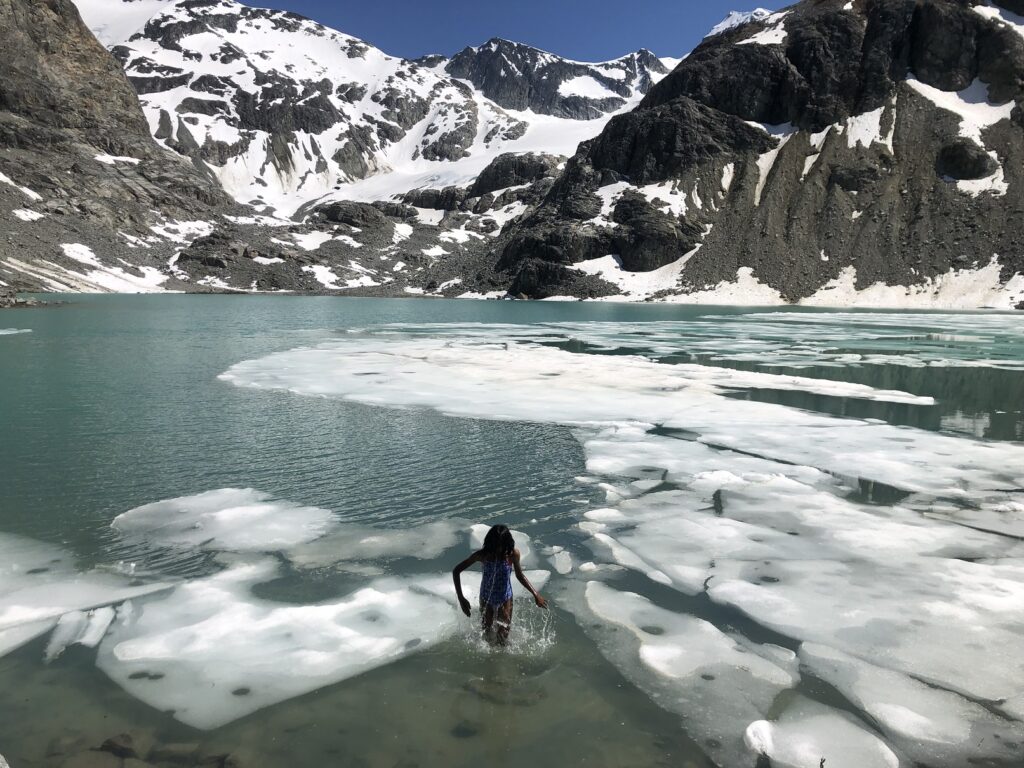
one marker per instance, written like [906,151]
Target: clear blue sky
[586,30]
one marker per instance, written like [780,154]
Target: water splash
[533,633]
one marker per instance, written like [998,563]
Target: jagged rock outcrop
[520,77]
[77,163]
[511,170]
[830,146]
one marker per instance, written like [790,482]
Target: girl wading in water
[499,557]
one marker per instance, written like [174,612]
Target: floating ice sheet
[692,667]
[932,726]
[79,628]
[39,585]
[809,734]
[350,541]
[213,635]
[523,381]
[895,547]
[227,519]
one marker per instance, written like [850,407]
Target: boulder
[509,170]
[963,159]
[361,215]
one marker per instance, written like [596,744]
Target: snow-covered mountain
[738,19]
[284,111]
[836,152]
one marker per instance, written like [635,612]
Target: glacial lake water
[791,531]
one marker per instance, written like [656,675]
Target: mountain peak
[739,19]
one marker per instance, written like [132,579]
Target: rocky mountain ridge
[242,94]
[836,152]
[284,111]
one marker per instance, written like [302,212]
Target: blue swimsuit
[496,584]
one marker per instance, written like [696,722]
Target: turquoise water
[111,403]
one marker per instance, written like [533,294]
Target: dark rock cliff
[520,77]
[831,136]
[66,111]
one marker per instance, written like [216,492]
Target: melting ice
[913,610]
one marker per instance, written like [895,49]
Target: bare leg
[486,619]
[503,620]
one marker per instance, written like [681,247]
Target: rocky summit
[272,136]
[837,152]
[284,111]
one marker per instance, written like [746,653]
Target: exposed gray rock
[888,205]
[520,77]
[64,104]
[447,199]
[352,213]
[177,753]
[510,170]
[963,159]
[539,279]
[8,300]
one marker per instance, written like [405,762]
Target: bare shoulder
[515,555]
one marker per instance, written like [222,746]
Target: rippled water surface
[778,531]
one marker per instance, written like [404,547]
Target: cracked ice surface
[40,586]
[913,610]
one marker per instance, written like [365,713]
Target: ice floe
[226,520]
[755,509]
[213,635]
[163,649]
[353,541]
[809,734]
[692,667]
[164,641]
[929,724]
[39,585]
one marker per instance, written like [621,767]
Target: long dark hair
[498,543]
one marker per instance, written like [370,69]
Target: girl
[499,557]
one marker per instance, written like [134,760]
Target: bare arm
[456,577]
[540,601]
